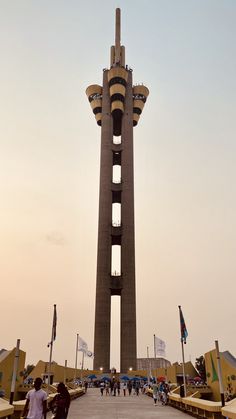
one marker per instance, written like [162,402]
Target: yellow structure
[228,366]
[173,373]
[58,372]
[6,371]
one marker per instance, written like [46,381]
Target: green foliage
[26,371]
[201,367]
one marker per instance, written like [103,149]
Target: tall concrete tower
[117,106]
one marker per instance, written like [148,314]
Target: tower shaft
[117,106]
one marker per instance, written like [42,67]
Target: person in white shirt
[123,387]
[36,402]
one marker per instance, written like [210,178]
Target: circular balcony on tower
[94,94]
[140,94]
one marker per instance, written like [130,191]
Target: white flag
[90,354]
[160,347]
[83,347]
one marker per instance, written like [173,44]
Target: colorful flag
[54,326]
[160,347]
[183,329]
[54,323]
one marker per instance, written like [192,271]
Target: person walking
[36,402]
[137,387]
[102,386]
[154,392]
[60,403]
[114,388]
[107,388]
[118,387]
[130,387]
[125,388]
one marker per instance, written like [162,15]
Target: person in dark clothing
[129,387]
[60,403]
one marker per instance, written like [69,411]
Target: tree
[26,371]
[201,367]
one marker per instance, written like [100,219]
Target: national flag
[54,323]
[160,347]
[183,329]
[54,326]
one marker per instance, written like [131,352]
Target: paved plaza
[94,406]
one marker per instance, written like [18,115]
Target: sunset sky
[185,169]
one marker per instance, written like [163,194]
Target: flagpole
[183,361]
[149,366]
[65,370]
[184,378]
[76,355]
[14,375]
[155,354]
[82,367]
[220,374]
[51,345]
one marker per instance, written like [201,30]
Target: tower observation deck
[117,106]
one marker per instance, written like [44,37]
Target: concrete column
[128,297]
[103,294]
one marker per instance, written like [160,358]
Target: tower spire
[117,37]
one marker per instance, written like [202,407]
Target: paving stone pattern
[94,406]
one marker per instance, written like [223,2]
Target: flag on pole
[83,347]
[54,323]
[160,347]
[183,329]
[54,326]
[90,354]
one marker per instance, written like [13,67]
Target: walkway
[94,406]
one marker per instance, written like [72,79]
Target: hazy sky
[185,203]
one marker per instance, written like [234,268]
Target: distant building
[152,363]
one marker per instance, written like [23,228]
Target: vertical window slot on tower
[115,260]
[116,174]
[116,215]
[117,139]
[115,333]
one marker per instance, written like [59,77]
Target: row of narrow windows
[116,210]
[115,264]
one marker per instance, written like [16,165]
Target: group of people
[160,392]
[36,402]
[115,387]
[36,399]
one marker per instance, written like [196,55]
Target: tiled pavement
[94,406]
